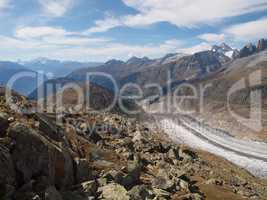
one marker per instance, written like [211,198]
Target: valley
[133,100]
[183,143]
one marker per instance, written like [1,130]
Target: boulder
[34,156]
[83,191]
[190,196]
[7,174]
[184,185]
[161,194]
[25,196]
[82,170]
[114,191]
[140,192]
[36,197]
[114,175]
[164,181]
[134,170]
[6,191]
[173,155]
[4,123]
[52,194]
[214,181]
[88,188]
[73,195]
[186,154]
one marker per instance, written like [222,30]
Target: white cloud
[55,36]
[80,48]
[37,32]
[182,13]
[197,48]
[117,50]
[8,43]
[86,48]
[212,37]
[249,30]
[4,4]
[56,8]
[104,25]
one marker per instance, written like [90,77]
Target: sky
[99,30]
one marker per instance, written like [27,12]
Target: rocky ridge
[107,156]
[251,49]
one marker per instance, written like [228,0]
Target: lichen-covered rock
[114,191]
[141,192]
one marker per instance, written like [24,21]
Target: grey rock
[114,191]
[36,197]
[83,171]
[186,154]
[45,157]
[52,194]
[4,123]
[184,185]
[134,169]
[214,181]
[164,181]
[73,195]
[141,192]
[7,174]
[89,188]
[161,194]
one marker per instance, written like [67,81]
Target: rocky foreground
[107,156]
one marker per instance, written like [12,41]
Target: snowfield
[249,155]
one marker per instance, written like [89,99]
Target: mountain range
[24,85]
[109,155]
[56,67]
[27,85]
[141,71]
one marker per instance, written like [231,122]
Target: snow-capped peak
[224,49]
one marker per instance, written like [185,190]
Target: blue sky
[99,30]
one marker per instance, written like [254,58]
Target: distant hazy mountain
[56,67]
[24,85]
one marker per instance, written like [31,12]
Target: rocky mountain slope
[79,159]
[145,71]
[240,102]
[250,48]
[85,98]
[226,50]
[216,107]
